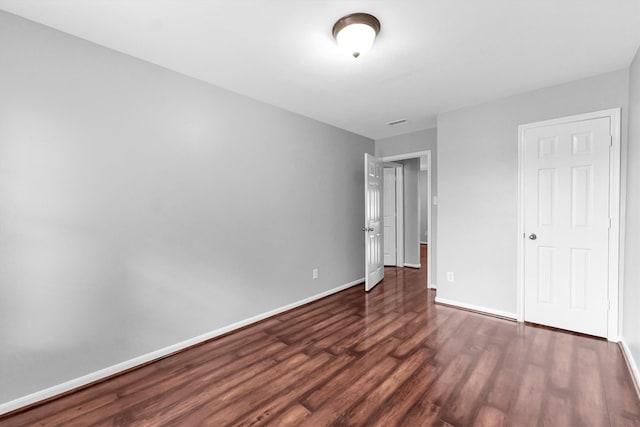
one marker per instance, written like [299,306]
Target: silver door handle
[367,228]
[532,236]
[370,229]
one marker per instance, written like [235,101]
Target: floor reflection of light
[367,316]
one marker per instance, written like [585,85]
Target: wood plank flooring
[390,357]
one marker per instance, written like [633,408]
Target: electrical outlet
[314,273]
[450,277]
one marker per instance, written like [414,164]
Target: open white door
[373,186]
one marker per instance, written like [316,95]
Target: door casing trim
[613,285]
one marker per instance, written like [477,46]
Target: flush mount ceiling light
[355,33]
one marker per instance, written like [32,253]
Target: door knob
[532,236]
[364,229]
[370,228]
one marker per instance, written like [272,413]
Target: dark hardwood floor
[390,357]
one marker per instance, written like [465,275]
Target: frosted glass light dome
[355,33]
[356,39]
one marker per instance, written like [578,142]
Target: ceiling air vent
[397,122]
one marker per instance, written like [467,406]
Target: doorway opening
[411,176]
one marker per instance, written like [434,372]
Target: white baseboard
[411,265]
[424,243]
[477,308]
[149,357]
[631,363]
[432,286]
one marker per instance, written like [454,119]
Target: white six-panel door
[373,187]
[566,222]
[389,216]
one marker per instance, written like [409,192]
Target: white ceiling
[431,55]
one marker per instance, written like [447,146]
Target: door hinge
[610,141]
[609,224]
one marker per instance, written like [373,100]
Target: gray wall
[411,211]
[140,208]
[412,143]
[631,290]
[477,184]
[424,205]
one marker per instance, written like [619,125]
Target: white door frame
[399,167]
[430,250]
[614,213]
